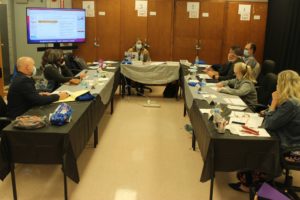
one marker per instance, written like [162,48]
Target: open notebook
[73,95]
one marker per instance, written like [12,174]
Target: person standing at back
[22,94]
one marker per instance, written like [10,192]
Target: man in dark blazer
[22,94]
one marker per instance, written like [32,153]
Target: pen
[249,129]
[235,122]
[249,132]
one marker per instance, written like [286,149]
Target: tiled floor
[143,154]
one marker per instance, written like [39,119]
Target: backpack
[171,90]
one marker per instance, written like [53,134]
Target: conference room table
[149,73]
[61,144]
[225,152]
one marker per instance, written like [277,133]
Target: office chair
[268,66]
[288,164]
[4,120]
[264,92]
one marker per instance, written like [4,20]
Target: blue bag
[85,97]
[61,115]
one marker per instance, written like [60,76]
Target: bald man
[22,94]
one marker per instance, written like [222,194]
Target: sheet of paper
[73,95]
[89,7]
[245,17]
[142,13]
[193,6]
[252,120]
[245,12]
[194,14]
[236,107]
[141,5]
[244,8]
[235,101]
[205,76]
[193,9]
[237,130]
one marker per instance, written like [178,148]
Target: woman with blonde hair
[283,116]
[242,85]
[281,120]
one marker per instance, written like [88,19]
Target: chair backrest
[3,107]
[264,92]
[268,66]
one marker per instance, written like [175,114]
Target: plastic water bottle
[217,114]
[203,82]
[196,60]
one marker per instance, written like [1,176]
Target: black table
[52,144]
[227,152]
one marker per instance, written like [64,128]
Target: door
[212,17]
[239,32]
[87,50]
[132,26]
[1,70]
[4,44]
[108,29]
[186,33]
[159,33]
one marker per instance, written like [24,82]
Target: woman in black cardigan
[55,70]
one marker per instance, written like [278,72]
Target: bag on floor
[171,90]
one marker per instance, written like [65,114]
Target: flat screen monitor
[55,25]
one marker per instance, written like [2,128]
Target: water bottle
[196,60]
[217,114]
[203,82]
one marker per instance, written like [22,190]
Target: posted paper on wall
[89,7]
[141,5]
[193,9]
[245,12]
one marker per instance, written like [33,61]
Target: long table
[227,152]
[58,145]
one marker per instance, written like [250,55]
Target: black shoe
[236,186]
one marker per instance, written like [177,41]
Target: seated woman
[281,120]
[242,85]
[283,117]
[225,72]
[55,70]
[143,55]
[140,49]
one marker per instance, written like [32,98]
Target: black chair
[264,92]
[287,187]
[4,120]
[268,66]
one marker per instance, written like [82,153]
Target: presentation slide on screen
[56,25]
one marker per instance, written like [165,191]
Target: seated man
[22,94]
[250,60]
[225,72]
